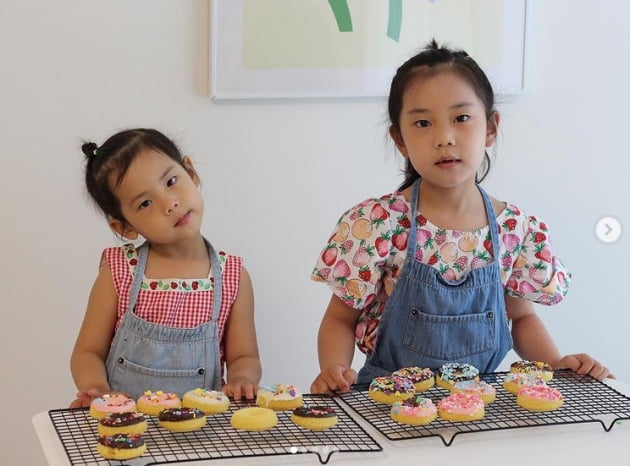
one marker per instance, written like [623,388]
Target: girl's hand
[335,378]
[584,364]
[84,399]
[238,390]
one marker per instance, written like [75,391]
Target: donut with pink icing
[415,411]
[539,398]
[152,403]
[461,407]
[111,403]
[481,388]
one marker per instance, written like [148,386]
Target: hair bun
[89,149]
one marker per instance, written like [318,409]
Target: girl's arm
[87,363]
[241,347]
[335,348]
[532,341]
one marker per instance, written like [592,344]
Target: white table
[575,444]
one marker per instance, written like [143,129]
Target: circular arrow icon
[608,229]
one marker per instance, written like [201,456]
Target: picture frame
[262,49]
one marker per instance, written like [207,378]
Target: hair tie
[90,149]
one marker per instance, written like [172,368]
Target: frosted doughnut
[279,397]
[390,389]
[514,381]
[151,403]
[122,423]
[539,368]
[111,403]
[254,418]
[121,446]
[422,378]
[451,373]
[415,411]
[461,407]
[208,401]
[314,417]
[182,419]
[539,398]
[481,388]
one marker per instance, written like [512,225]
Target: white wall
[276,175]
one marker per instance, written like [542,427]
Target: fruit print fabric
[367,249]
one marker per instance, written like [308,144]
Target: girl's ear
[398,140]
[190,169]
[123,230]
[493,128]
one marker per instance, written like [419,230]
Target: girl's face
[159,199]
[444,130]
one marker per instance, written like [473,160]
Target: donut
[461,407]
[208,401]
[122,423]
[415,411]
[111,403]
[182,419]
[254,418]
[279,397]
[422,378]
[451,373]
[539,368]
[539,398]
[514,381]
[151,403]
[314,417]
[481,388]
[390,389]
[121,446]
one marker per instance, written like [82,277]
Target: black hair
[428,62]
[107,165]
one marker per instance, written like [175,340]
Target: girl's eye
[171,181]
[144,204]
[462,118]
[423,123]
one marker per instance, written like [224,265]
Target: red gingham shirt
[176,302]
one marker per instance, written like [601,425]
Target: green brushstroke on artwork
[395,19]
[342,15]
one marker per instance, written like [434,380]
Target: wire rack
[585,400]
[217,440]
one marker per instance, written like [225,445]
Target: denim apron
[146,356]
[429,320]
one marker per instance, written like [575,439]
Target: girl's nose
[444,138]
[171,206]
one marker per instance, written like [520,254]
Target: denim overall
[429,320]
[147,356]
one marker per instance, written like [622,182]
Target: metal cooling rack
[585,400]
[217,440]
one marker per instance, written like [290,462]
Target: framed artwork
[351,48]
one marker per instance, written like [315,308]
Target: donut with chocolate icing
[121,446]
[537,368]
[182,419]
[451,373]
[111,403]
[415,411]
[152,403]
[422,377]
[389,389]
[279,397]
[208,401]
[314,417]
[122,423]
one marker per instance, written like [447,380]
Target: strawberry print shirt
[173,302]
[367,250]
